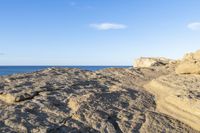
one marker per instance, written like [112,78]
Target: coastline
[9,70]
[149,97]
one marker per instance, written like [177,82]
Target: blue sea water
[8,70]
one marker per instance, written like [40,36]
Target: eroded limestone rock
[150,62]
[178,96]
[190,64]
[72,100]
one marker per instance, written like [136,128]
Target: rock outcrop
[150,62]
[179,97]
[190,64]
[150,99]
[178,93]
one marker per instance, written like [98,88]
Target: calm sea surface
[8,70]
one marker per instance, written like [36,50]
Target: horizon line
[65,65]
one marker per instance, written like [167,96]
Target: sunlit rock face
[178,96]
[190,64]
[178,93]
[150,62]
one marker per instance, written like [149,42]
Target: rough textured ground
[178,96]
[72,100]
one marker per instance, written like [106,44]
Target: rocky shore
[158,95]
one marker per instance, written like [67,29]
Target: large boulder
[190,64]
[150,62]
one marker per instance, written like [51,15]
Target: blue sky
[96,32]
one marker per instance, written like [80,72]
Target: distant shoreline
[9,70]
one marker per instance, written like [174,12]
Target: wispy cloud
[108,26]
[194,26]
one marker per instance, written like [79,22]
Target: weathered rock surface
[150,62]
[72,100]
[178,93]
[190,64]
[178,96]
[151,99]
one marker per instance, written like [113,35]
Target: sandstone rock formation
[178,95]
[190,64]
[114,100]
[150,62]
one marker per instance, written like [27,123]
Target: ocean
[8,70]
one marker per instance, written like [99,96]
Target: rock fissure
[113,121]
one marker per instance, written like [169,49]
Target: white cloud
[108,26]
[194,26]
